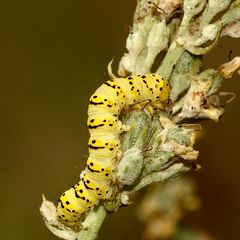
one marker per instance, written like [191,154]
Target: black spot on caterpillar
[105,106]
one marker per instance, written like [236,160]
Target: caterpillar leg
[119,154]
[126,128]
[149,110]
[114,179]
[123,127]
[144,105]
[140,105]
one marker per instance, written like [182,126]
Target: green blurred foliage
[53,55]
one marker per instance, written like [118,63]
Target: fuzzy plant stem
[92,224]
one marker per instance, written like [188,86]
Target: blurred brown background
[53,55]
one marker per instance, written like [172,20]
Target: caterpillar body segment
[105,106]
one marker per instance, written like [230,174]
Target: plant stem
[92,224]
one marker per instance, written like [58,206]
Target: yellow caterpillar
[105,106]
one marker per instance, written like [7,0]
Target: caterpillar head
[163,92]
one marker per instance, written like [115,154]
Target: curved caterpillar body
[105,106]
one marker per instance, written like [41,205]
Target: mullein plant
[161,146]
